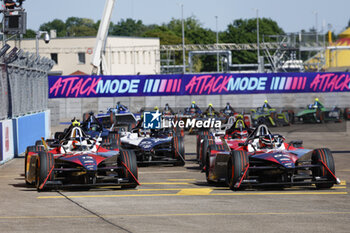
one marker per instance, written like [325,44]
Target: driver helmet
[210,105]
[265,101]
[193,104]
[156,108]
[316,99]
[266,141]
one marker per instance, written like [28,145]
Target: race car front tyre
[236,166]
[44,166]
[128,160]
[34,149]
[324,155]
[179,150]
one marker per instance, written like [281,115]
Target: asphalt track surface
[178,199]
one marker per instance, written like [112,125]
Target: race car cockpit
[75,139]
[262,139]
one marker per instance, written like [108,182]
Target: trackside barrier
[6,135]
[28,129]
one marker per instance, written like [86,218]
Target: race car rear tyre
[39,143]
[320,116]
[236,167]
[207,165]
[85,117]
[114,138]
[59,135]
[199,137]
[178,150]
[34,149]
[127,159]
[45,164]
[347,113]
[324,155]
[207,141]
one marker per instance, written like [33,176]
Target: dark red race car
[264,159]
[78,160]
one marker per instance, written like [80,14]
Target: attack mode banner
[196,84]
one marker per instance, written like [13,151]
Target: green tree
[29,34]
[55,24]
[244,31]
[128,27]
[80,27]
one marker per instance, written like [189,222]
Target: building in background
[124,55]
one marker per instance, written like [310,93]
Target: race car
[78,160]
[265,160]
[269,116]
[229,135]
[317,113]
[155,146]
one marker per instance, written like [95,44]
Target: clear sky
[291,15]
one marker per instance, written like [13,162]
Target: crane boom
[98,60]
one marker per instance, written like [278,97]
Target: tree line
[239,31]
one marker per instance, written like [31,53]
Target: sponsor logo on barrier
[188,84]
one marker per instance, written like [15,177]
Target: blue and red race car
[264,159]
[77,160]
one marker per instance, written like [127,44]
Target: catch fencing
[23,83]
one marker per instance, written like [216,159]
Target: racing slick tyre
[85,117]
[236,167]
[59,135]
[207,165]
[207,141]
[273,119]
[199,137]
[320,116]
[324,155]
[114,139]
[39,143]
[127,159]
[178,150]
[347,114]
[34,149]
[44,167]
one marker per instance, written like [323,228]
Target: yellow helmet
[75,123]
[193,102]
[265,101]
[316,99]
[156,108]
[210,105]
